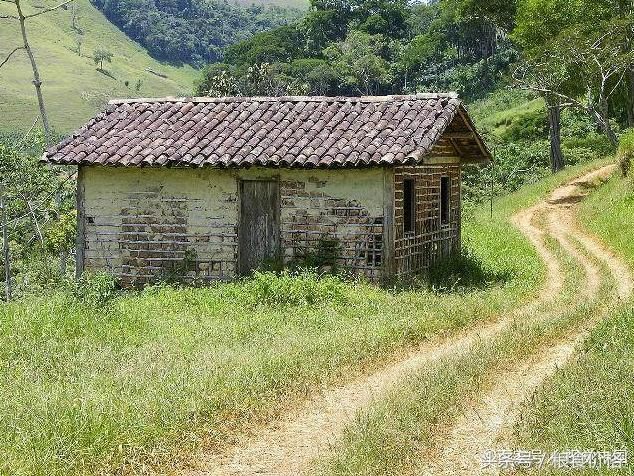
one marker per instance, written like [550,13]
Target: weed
[95,288]
[302,287]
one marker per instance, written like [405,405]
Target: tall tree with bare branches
[22,19]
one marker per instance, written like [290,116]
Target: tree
[28,192]
[571,50]
[599,60]
[357,62]
[276,46]
[593,63]
[100,55]
[22,18]
[544,73]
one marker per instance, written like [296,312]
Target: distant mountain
[192,31]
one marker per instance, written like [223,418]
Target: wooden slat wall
[414,252]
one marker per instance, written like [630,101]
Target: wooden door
[259,230]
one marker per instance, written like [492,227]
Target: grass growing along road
[588,404]
[157,375]
[402,433]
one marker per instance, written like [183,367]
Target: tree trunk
[37,82]
[602,119]
[629,84]
[554,132]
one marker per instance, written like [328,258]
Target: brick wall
[413,252]
[141,224]
[144,224]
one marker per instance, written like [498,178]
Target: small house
[213,188]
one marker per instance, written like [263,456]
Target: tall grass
[588,404]
[144,377]
[148,377]
[393,436]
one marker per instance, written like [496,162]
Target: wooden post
[63,256]
[5,246]
[80,244]
[388,268]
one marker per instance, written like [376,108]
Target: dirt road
[487,423]
[287,447]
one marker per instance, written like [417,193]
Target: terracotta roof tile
[286,131]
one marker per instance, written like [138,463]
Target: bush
[95,288]
[577,155]
[626,151]
[597,143]
[528,126]
[302,287]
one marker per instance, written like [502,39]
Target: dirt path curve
[288,446]
[488,422]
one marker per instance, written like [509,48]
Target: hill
[299,4]
[73,88]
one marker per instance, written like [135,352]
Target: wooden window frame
[444,201]
[409,206]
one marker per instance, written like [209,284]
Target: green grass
[609,212]
[153,376]
[392,436]
[73,88]
[588,404]
[500,110]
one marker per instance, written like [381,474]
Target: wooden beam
[459,135]
[389,200]
[455,146]
[80,251]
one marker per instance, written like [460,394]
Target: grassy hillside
[73,88]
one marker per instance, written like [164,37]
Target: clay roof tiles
[280,131]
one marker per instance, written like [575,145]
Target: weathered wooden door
[259,230]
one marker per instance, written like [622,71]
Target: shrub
[323,258]
[528,126]
[597,143]
[577,155]
[626,151]
[95,288]
[301,287]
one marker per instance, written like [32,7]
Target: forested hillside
[191,31]
[550,81]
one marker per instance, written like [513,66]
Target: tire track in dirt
[488,423]
[288,446]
